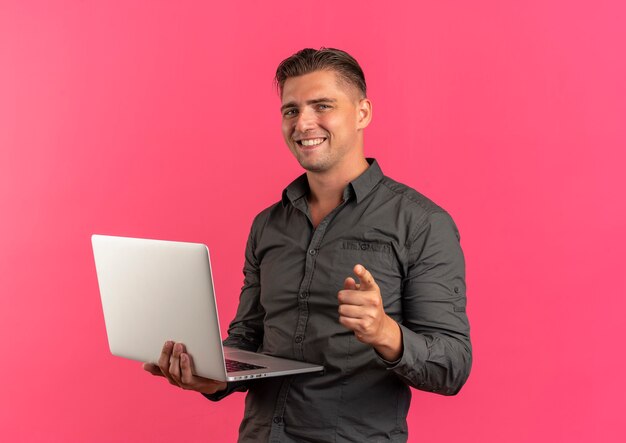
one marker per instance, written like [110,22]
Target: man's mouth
[311,142]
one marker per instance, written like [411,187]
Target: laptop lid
[156,290]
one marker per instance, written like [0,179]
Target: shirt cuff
[231,386]
[389,364]
[392,364]
[414,353]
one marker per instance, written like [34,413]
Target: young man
[402,325]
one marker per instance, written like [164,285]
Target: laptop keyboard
[235,366]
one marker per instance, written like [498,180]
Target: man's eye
[289,113]
[322,107]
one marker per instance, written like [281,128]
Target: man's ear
[364,113]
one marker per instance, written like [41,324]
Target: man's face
[322,120]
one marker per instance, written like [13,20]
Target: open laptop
[154,290]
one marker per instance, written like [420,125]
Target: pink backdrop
[157,118]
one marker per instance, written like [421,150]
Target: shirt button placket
[303,305]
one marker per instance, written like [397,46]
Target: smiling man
[402,325]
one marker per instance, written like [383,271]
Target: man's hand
[177,366]
[361,310]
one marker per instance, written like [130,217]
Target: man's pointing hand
[361,310]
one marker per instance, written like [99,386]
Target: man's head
[324,59]
[324,109]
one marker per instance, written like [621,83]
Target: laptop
[155,290]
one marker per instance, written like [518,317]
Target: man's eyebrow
[308,102]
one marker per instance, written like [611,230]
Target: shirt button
[299,339]
[363,246]
[304,294]
[277,420]
[312,251]
[456,289]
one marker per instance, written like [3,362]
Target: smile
[311,142]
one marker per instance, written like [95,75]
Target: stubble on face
[333,120]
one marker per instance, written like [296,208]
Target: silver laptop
[154,290]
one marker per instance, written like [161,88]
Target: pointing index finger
[366,279]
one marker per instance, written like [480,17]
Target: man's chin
[313,167]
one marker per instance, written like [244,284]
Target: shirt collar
[359,187]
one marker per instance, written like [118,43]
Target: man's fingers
[351,297]
[349,283]
[176,365]
[367,282]
[164,360]
[186,366]
[175,362]
[200,384]
[351,311]
[361,305]
[166,353]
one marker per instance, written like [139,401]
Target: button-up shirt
[288,308]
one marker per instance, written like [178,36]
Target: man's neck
[327,187]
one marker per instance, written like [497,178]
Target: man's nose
[305,120]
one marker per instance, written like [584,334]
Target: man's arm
[430,349]
[437,354]
[246,330]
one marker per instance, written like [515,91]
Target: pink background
[158,119]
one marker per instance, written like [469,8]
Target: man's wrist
[390,345]
[216,389]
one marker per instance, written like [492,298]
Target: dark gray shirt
[288,308]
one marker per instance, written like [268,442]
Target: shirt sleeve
[246,330]
[437,352]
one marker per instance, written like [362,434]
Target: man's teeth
[312,142]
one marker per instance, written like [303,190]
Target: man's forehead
[316,85]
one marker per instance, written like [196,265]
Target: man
[403,324]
